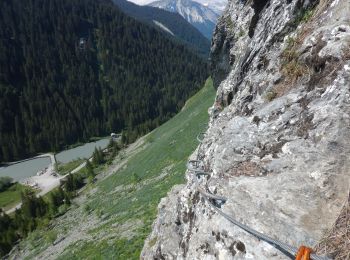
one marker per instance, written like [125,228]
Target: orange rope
[303,253]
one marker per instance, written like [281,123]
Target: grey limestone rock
[277,145]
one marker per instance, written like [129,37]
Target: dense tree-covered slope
[118,210]
[72,69]
[178,26]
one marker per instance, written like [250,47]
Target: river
[23,170]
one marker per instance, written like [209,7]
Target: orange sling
[304,253]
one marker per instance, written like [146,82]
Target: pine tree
[81,92]
[70,185]
[89,169]
[96,157]
[101,156]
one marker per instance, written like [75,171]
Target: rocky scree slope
[277,142]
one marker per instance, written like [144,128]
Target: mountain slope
[70,70]
[116,214]
[217,6]
[172,23]
[200,16]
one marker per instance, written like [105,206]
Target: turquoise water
[84,151]
[29,168]
[25,169]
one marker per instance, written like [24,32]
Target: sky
[141,2]
[144,2]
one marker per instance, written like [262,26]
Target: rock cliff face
[277,142]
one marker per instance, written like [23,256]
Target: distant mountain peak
[172,23]
[199,15]
[217,5]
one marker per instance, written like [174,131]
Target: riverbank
[45,182]
[23,169]
[93,139]
[116,212]
[50,155]
[48,180]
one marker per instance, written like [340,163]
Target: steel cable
[194,166]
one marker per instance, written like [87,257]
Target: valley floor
[112,218]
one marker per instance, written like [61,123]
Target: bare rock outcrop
[277,145]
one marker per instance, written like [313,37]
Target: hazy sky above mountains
[144,2]
[141,2]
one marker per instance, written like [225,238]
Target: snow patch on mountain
[163,27]
[200,16]
[217,5]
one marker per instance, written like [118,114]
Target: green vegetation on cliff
[114,217]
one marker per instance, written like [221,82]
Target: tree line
[184,32]
[5,182]
[36,211]
[73,69]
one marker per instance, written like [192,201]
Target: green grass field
[64,168]
[125,203]
[11,196]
